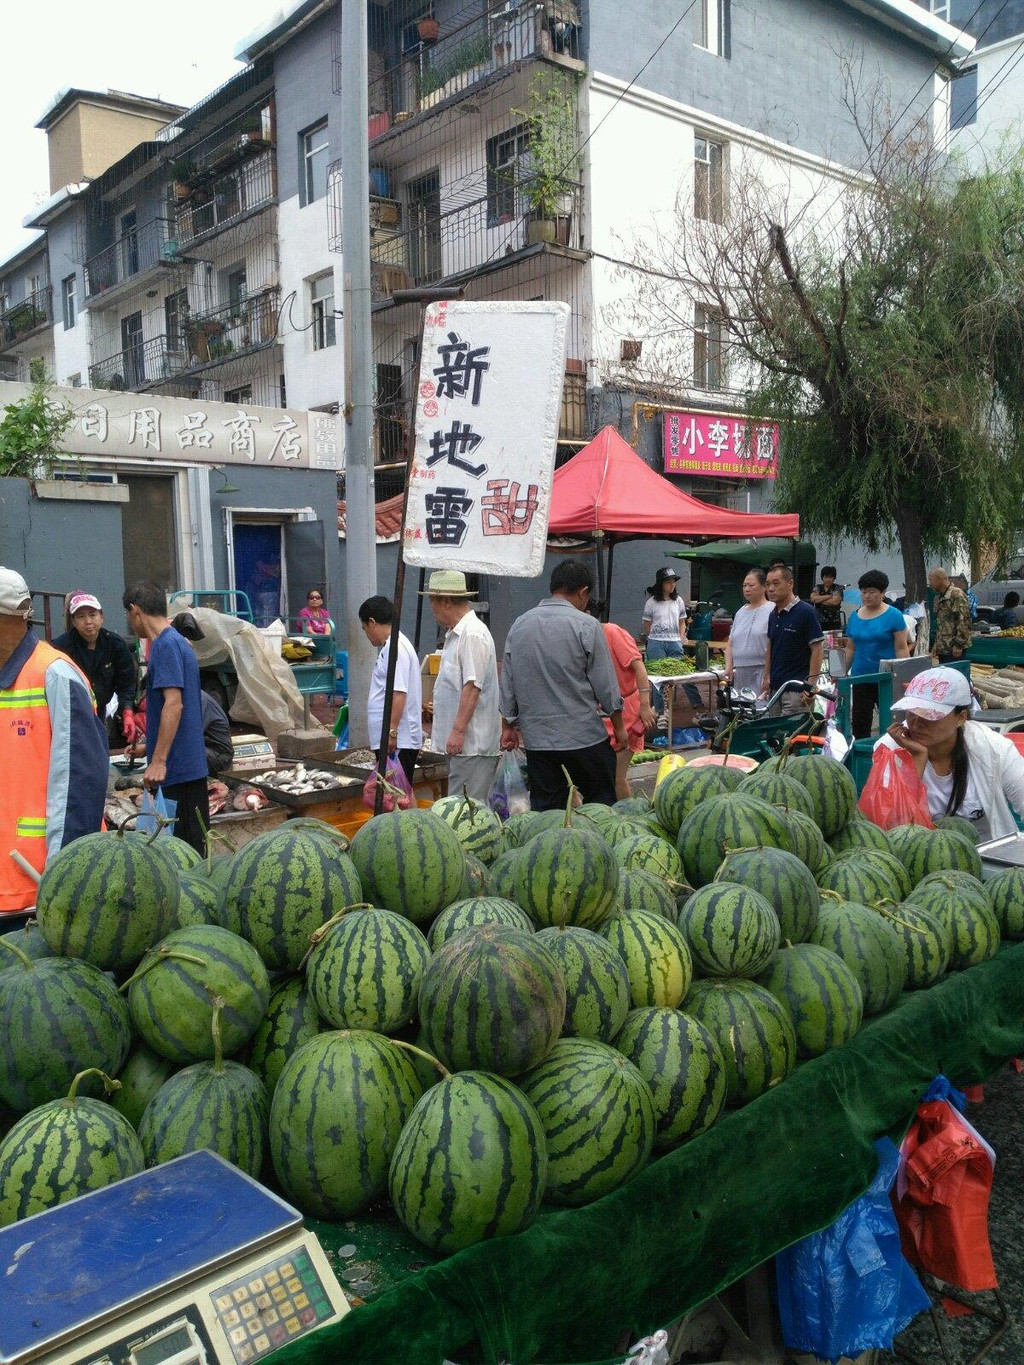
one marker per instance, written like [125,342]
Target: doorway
[133,348]
[148,532]
[259,567]
[425,224]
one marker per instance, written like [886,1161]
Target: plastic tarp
[607,487]
[267,695]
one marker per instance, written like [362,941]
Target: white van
[1007,576]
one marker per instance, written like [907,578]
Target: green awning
[754,552]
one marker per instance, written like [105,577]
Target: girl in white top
[664,620]
[966,768]
[747,645]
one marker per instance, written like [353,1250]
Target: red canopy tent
[607,491]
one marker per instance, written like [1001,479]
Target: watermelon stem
[573,789]
[318,935]
[161,954]
[26,961]
[409,1047]
[879,908]
[217,1001]
[109,1085]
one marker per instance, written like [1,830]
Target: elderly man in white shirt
[467,726]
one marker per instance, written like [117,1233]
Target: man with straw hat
[467,726]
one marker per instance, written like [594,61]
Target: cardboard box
[428,672]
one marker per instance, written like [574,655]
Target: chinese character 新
[193,432]
[503,512]
[243,437]
[94,421]
[289,439]
[460,440]
[461,369]
[144,425]
[447,510]
[718,438]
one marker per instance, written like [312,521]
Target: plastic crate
[341,669]
[858,760]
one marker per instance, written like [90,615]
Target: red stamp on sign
[427,389]
[430,408]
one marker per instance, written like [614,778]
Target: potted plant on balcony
[550,122]
[181,169]
[428,29]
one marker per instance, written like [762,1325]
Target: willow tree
[880,322]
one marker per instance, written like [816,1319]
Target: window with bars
[708,367]
[708,179]
[321,294]
[239,396]
[505,155]
[175,317]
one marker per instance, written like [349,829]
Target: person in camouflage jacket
[952,617]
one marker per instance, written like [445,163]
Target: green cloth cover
[700,1217]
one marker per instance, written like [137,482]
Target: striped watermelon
[596,982]
[598,1117]
[311,825]
[491,999]
[628,829]
[957,824]
[141,1077]
[282,886]
[784,881]
[683,1067]
[853,877]
[778,790]
[656,955]
[806,841]
[687,788]
[963,907]
[933,850]
[477,881]
[219,1106]
[31,942]
[566,876]
[182,857]
[365,971]
[520,828]
[648,853]
[722,823]
[731,930]
[339,1106]
[470,1164]
[630,806]
[471,913]
[64,1148]
[641,890]
[821,994]
[200,899]
[476,826]
[831,787]
[58,1016]
[409,861]
[1006,894]
[870,945]
[860,834]
[753,1031]
[926,940]
[544,821]
[170,995]
[106,899]
[503,875]
[291,1020]
[603,818]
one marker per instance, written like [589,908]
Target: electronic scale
[192,1263]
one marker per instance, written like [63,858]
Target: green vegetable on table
[670,668]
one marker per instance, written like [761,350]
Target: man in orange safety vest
[54,760]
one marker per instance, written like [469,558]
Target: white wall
[313,378]
[998,127]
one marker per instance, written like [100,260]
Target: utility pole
[360,528]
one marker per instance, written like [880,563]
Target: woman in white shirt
[747,645]
[966,768]
[664,620]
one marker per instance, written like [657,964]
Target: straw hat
[447,583]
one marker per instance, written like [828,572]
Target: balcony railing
[209,203]
[139,367]
[21,319]
[237,329]
[133,254]
[469,48]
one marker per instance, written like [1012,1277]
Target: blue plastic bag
[849,1288]
[154,806]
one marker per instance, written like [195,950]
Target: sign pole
[423,297]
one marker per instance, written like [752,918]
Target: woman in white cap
[103,657]
[967,769]
[664,619]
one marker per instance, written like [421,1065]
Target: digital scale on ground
[192,1263]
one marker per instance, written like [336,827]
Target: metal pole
[360,526]
[419,609]
[611,565]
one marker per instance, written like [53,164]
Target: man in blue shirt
[794,641]
[175,751]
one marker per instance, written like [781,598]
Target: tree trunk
[915,577]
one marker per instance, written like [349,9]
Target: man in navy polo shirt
[794,640]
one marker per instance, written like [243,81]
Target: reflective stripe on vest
[26,697]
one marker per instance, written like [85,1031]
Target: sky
[177,52]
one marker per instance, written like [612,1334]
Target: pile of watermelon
[464,1016]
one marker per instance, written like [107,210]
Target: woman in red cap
[105,660]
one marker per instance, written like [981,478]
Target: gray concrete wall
[303,85]
[784,76]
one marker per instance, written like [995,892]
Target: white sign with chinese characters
[150,426]
[487,414]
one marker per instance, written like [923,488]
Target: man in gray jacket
[557,680]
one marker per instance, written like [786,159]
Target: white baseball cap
[82,599]
[936,693]
[15,598]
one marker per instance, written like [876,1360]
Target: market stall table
[694,1221]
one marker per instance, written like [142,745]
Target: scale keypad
[281,1301]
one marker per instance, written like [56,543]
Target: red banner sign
[715,443]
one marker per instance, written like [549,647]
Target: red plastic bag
[894,793]
[397,788]
[946,1180]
